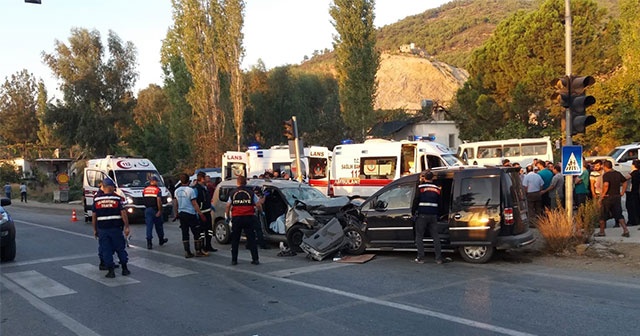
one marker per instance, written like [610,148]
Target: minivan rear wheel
[476,254]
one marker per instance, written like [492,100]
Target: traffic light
[570,93]
[289,132]
[579,103]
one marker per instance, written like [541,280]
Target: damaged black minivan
[482,209]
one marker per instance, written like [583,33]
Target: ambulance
[361,169]
[255,162]
[130,175]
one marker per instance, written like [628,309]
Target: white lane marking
[62,318]
[39,285]
[158,267]
[48,260]
[307,269]
[244,255]
[91,272]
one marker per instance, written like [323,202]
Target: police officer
[109,218]
[203,198]
[241,209]
[425,208]
[152,196]
[188,211]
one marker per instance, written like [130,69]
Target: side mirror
[381,205]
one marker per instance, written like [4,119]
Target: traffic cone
[74,218]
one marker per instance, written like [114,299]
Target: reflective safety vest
[242,203]
[107,208]
[203,198]
[150,196]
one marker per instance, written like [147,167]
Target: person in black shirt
[610,198]
[633,195]
[204,202]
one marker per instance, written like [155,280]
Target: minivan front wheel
[222,231]
[476,254]
[355,240]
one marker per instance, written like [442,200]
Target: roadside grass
[560,235]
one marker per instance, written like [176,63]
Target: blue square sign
[571,160]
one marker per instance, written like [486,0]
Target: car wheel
[294,237]
[355,240]
[222,232]
[9,251]
[476,254]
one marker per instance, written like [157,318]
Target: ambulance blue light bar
[346,142]
[255,147]
[424,138]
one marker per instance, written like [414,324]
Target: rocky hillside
[404,80]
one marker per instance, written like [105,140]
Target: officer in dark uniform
[203,198]
[152,196]
[425,209]
[241,209]
[109,219]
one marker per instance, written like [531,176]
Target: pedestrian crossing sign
[571,160]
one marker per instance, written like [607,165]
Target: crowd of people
[544,186]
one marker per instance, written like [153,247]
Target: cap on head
[107,182]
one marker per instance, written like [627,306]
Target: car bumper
[517,241]
[7,233]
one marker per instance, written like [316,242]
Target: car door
[475,208]
[388,216]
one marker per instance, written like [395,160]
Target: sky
[277,31]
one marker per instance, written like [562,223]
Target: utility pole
[568,182]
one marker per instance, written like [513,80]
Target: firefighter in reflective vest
[241,210]
[425,209]
[109,219]
[152,196]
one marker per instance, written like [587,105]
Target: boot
[187,249]
[111,273]
[198,247]
[125,270]
[207,244]
[149,244]
[162,241]
[103,267]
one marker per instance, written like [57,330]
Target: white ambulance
[254,162]
[360,169]
[130,175]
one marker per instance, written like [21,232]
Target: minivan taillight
[508,216]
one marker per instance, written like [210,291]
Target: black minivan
[482,209]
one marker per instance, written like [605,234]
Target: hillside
[446,38]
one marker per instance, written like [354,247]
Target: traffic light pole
[568,182]
[296,146]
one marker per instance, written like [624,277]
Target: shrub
[561,235]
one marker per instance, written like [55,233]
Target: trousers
[430,222]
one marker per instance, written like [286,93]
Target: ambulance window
[434,161]
[111,175]
[91,176]
[407,160]
[233,170]
[318,168]
[378,168]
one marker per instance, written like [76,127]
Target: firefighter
[203,198]
[241,209]
[109,219]
[152,196]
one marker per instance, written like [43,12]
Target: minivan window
[400,197]
[479,191]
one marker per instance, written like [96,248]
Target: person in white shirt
[23,192]
[533,183]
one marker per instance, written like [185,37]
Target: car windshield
[136,178]
[616,152]
[452,160]
[301,193]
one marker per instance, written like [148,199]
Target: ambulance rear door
[90,186]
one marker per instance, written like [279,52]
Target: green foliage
[18,109]
[9,173]
[276,95]
[97,99]
[357,62]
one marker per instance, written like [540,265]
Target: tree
[46,139]
[97,100]
[197,26]
[234,52]
[18,110]
[357,61]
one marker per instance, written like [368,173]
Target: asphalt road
[55,288]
